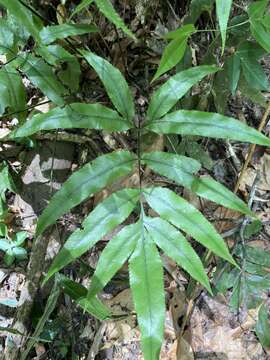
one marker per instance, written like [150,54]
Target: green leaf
[175,88]
[107,9]
[185,122]
[176,167]
[256,9]
[258,256]
[115,84]
[256,12]
[3,230]
[103,219]
[183,32]
[6,182]
[253,228]
[12,90]
[51,33]
[174,52]
[114,256]
[6,37]
[254,73]
[42,76]
[23,15]
[146,282]
[180,213]
[9,257]
[19,253]
[4,244]
[263,327]
[20,237]
[78,293]
[171,56]
[77,115]
[70,67]
[233,69]
[180,169]
[174,244]
[248,92]
[250,50]
[90,179]
[223,12]
[212,190]
[260,34]
[83,4]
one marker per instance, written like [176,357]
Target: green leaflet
[78,293]
[12,91]
[115,84]
[174,52]
[174,244]
[183,32]
[103,219]
[258,29]
[6,37]
[87,181]
[263,327]
[256,9]
[107,9]
[171,56]
[6,181]
[233,69]
[255,75]
[113,257]
[174,89]
[180,213]
[51,33]
[23,16]
[260,34]
[42,76]
[83,4]
[249,54]
[58,56]
[254,95]
[177,167]
[146,282]
[180,169]
[77,115]
[185,122]
[223,12]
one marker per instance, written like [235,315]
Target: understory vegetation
[134,179]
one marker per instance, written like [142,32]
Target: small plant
[138,243]
[13,247]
